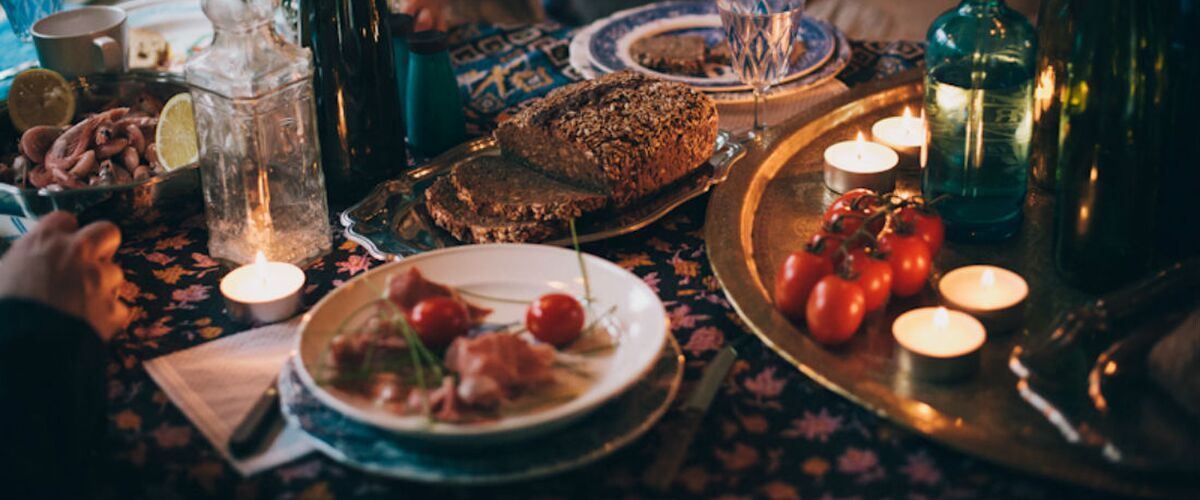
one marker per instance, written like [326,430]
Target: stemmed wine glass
[761,34]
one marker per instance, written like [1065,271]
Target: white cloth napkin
[216,383]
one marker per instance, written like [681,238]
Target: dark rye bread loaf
[624,134]
[459,220]
[499,187]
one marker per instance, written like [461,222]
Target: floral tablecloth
[772,432]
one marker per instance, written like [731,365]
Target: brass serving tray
[770,205]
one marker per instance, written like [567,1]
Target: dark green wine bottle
[1179,234]
[359,113]
[1054,45]
[1110,164]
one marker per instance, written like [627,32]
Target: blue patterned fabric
[771,433]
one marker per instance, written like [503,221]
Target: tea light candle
[994,295]
[263,292]
[860,164]
[938,344]
[905,134]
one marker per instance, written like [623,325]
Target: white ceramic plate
[181,22]
[515,271]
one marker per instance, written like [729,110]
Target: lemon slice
[40,97]
[175,139]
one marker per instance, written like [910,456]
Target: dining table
[771,432]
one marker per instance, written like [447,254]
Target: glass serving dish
[134,200]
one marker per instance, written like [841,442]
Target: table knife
[262,421]
[677,437]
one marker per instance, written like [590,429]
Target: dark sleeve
[52,401]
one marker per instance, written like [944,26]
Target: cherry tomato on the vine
[926,224]
[855,200]
[910,260]
[555,318]
[799,272]
[851,210]
[835,310]
[874,275]
[439,320]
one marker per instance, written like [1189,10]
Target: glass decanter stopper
[259,154]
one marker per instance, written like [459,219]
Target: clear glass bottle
[259,153]
[978,106]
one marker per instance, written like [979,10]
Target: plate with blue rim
[610,428]
[609,47]
[582,63]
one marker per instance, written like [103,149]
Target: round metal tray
[772,203]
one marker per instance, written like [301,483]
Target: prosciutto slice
[498,366]
[408,288]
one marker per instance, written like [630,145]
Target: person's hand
[69,269]
[427,14]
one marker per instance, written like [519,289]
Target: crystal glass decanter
[259,154]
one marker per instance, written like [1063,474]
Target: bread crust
[624,134]
[498,187]
[451,214]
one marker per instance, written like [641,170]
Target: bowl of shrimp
[104,159]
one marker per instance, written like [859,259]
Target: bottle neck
[985,4]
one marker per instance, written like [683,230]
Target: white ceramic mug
[82,41]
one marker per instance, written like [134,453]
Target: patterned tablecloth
[772,432]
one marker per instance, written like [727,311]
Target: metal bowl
[134,200]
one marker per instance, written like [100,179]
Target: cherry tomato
[855,200]
[874,275]
[835,309]
[799,272]
[825,244]
[926,224]
[439,320]
[555,318]
[910,261]
[847,213]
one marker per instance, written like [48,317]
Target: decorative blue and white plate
[611,427]
[609,47]
[582,63]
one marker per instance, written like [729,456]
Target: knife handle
[248,436]
[676,440]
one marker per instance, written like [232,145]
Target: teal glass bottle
[433,109]
[978,106]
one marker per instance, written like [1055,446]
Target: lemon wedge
[175,138]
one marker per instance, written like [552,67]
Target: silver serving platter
[134,200]
[391,221]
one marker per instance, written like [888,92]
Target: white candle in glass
[993,294]
[939,344]
[860,164]
[905,134]
[263,292]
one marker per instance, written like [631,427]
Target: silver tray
[391,221]
[134,200]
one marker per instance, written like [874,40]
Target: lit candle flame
[987,279]
[941,318]
[260,267]
[859,143]
[910,125]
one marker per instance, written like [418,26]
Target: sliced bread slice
[498,187]
[459,220]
